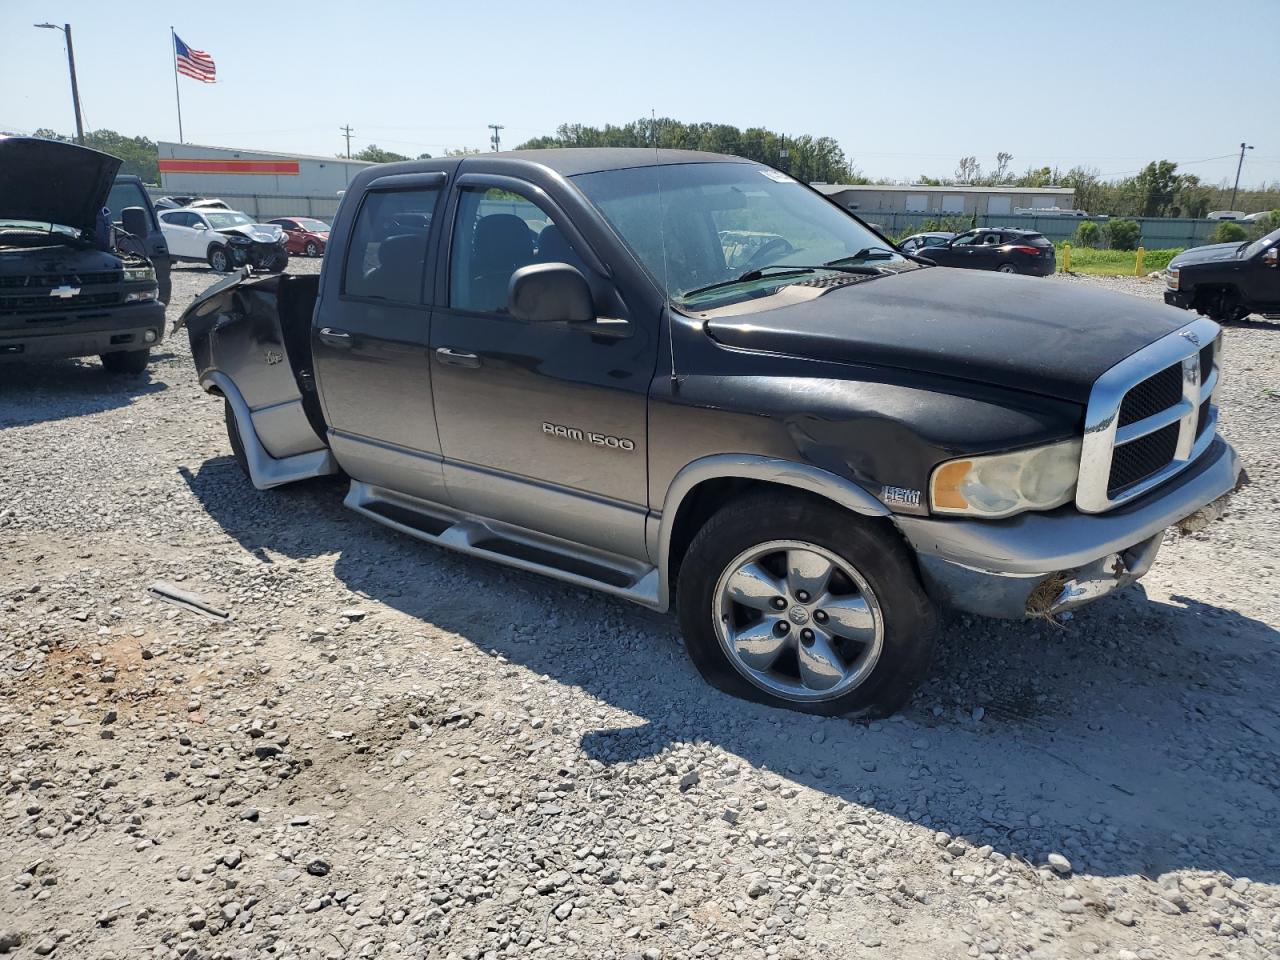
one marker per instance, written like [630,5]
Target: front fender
[788,473]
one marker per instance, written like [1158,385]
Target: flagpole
[173,38]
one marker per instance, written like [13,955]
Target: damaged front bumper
[1041,564]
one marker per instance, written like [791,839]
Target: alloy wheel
[798,621]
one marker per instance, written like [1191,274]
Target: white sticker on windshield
[776,176]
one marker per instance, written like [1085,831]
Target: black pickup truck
[553,359]
[1227,281]
[71,283]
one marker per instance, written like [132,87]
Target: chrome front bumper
[1039,564]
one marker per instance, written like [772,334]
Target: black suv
[1227,281]
[71,284]
[997,248]
[572,362]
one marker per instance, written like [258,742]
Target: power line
[496,139]
[346,130]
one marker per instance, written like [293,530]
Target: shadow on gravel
[1139,739]
[38,391]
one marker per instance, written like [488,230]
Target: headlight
[139,296]
[139,275]
[1007,483]
[1171,277]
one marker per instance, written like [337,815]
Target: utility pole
[71,64]
[347,132]
[1239,166]
[496,139]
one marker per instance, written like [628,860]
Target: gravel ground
[372,758]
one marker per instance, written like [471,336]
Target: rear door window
[388,251]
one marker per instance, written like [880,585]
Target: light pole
[1243,148]
[71,64]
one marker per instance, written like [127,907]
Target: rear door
[179,233]
[543,425]
[370,343]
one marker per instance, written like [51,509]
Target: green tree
[807,157]
[1123,234]
[375,154]
[1228,232]
[140,155]
[1088,234]
[1154,188]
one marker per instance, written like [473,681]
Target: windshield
[38,226]
[719,221]
[1261,244]
[315,226]
[220,221]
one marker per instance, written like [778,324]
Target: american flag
[195,64]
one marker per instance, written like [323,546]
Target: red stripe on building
[288,168]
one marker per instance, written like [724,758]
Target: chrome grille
[1149,416]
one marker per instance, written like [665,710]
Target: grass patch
[1115,263]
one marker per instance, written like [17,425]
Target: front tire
[126,361]
[219,258]
[312,249]
[791,601]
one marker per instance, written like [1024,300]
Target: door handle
[335,338]
[456,358]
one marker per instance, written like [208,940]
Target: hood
[258,232]
[1022,333]
[1208,254]
[53,182]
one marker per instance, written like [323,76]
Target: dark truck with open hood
[71,283]
[566,361]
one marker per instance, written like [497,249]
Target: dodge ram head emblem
[272,357]
[1191,336]
[64,292]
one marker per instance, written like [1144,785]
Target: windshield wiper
[758,273]
[866,253]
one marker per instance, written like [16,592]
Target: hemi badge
[900,495]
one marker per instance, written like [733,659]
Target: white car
[224,239]
[1226,215]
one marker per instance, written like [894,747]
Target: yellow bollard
[1066,258]
[1137,266]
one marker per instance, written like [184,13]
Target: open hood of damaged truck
[1033,334]
[53,182]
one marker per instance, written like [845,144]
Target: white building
[262,183]
[872,198]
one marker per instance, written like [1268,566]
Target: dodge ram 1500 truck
[567,361]
[69,286]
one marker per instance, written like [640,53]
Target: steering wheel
[761,256]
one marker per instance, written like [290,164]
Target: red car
[304,235]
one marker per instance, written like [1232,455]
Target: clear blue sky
[906,88]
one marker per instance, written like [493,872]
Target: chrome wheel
[797,621]
[1007,268]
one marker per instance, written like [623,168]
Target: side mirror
[550,292]
[1272,257]
[200,226]
[135,221]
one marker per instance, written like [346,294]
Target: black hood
[1024,333]
[52,182]
[1212,252]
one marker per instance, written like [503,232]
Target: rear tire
[866,627]
[219,258]
[126,361]
[233,434]
[1008,268]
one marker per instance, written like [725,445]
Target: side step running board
[512,546]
